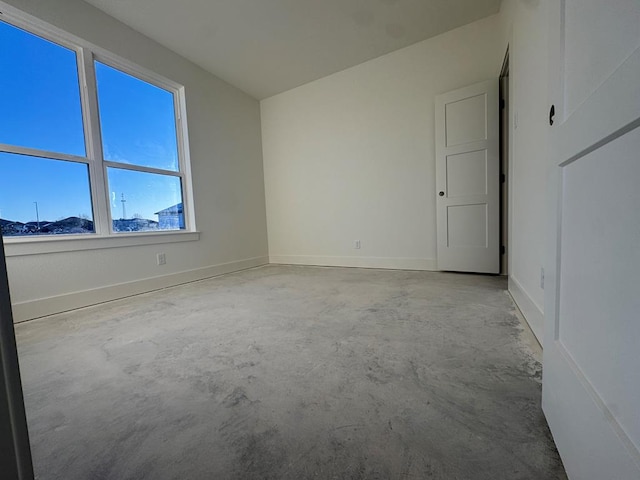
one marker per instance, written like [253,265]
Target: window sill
[15,247]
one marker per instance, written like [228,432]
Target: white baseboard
[361,262]
[48,306]
[532,313]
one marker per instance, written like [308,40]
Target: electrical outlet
[357,245]
[162,259]
[542,278]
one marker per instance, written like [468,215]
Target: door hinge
[503,250]
[503,104]
[503,178]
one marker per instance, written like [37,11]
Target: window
[99,161]
[41,196]
[140,149]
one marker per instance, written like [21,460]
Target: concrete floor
[290,373]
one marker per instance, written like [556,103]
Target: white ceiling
[266,47]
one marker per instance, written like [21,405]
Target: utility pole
[124,210]
[37,216]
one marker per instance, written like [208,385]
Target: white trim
[26,22]
[130,68]
[527,336]
[531,311]
[18,246]
[184,157]
[91,121]
[33,152]
[392,263]
[30,310]
[140,168]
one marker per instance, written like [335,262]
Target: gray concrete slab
[286,372]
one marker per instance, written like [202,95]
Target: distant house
[171,218]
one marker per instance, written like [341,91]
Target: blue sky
[40,108]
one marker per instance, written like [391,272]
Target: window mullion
[183,157]
[140,168]
[91,119]
[34,152]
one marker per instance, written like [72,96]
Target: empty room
[332,239]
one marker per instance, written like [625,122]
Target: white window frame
[104,236]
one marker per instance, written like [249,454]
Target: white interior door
[591,377]
[467,179]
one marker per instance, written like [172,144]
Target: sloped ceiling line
[265,47]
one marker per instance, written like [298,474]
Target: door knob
[441,194]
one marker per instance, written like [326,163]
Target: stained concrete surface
[285,372]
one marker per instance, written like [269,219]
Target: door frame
[504,94]
[15,451]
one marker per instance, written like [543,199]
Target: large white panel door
[591,378]
[467,179]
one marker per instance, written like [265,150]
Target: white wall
[525,25]
[226,158]
[351,156]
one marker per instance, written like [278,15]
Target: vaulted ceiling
[265,47]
